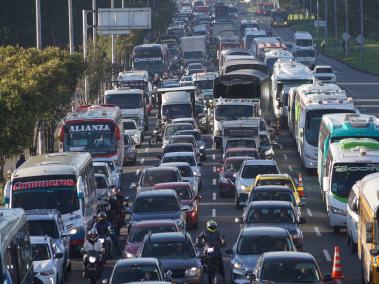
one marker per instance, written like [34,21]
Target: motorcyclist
[104,230]
[213,238]
[117,201]
[92,243]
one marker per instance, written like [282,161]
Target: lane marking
[214,196]
[216,203]
[147,150]
[213,212]
[285,156]
[290,168]
[214,157]
[142,160]
[317,231]
[137,172]
[214,169]
[309,212]
[214,181]
[327,255]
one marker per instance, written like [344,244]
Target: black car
[177,255]
[158,204]
[178,147]
[200,143]
[136,269]
[154,175]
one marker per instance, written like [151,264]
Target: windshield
[280,17]
[195,134]
[244,153]
[180,158]
[101,182]
[204,84]
[47,192]
[345,175]
[232,112]
[185,171]
[261,195]
[129,125]
[324,70]
[139,232]
[304,42]
[152,65]
[271,215]
[251,171]
[281,182]
[236,67]
[172,111]
[135,273]
[173,128]
[184,192]
[233,165]
[125,101]
[168,250]
[43,228]
[313,121]
[193,55]
[249,245]
[242,143]
[150,178]
[305,53]
[90,137]
[154,204]
[41,252]
[290,271]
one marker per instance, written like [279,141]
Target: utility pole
[70,27]
[318,20]
[94,22]
[326,23]
[85,28]
[38,24]
[335,25]
[346,27]
[113,46]
[362,33]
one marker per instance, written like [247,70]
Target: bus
[279,19]
[96,129]
[271,56]
[154,58]
[63,181]
[335,127]
[16,251]
[348,161]
[309,107]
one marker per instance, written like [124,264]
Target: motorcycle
[210,263]
[92,266]
[156,137]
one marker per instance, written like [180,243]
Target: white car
[47,260]
[245,177]
[103,168]
[186,172]
[102,185]
[131,128]
[186,81]
[324,74]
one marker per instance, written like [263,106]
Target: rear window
[324,70]
[129,125]
[252,154]
[233,165]
[156,204]
[178,148]
[150,178]
[174,140]
[101,182]
[185,171]
[43,228]
[241,144]
[139,232]
[174,159]
[251,171]
[172,129]
[261,195]
[283,182]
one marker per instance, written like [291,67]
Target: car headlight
[223,179]
[337,211]
[202,147]
[239,266]
[92,259]
[136,135]
[47,272]
[193,271]
[129,255]
[244,188]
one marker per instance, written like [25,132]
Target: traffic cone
[337,268]
[300,188]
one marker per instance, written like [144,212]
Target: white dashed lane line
[285,156]
[214,181]
[213,212]
[317,231]
[214,169]
[146,150]
[137,172]
[214,157]
[309,212]
[327,255]
[290,168]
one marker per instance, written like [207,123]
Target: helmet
[211,226]
[101,216]
[116,191]
[92,234]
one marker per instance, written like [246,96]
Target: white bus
[285,75]
[63,181]
[348,161]
[310,104]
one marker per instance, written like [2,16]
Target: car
[193,68]
[115,170]
[136,269]
[177,254]
[177,147]
[185,120]
[186,81]
[187,197]
[142,228]
[239,143]
[187,157]
[131,128]
[275,192]
[200,143]
[48,261]
[172,128]
[185,139]
[288,267]
[104,169]
[280,179]
[280,214]
[265,146]
[130,151]
[170,83]
[324,74]
[157,204]
[49,222]
[203,121]
[102,185]
[241,152]
[153,175]
[352,218]
[226,179]
[246,175]
[251,244]
[186,173]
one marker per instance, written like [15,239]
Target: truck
[223,28]
[194,49]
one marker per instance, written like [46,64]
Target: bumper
[227,189]
[309,163]
[192,280]
[239,277]
[47,279]
[337,220]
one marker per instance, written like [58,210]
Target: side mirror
[133,186]
[185,208]
[303,220]
[58,255]
[198,197]
[238,220]
[105,281]
[229,251]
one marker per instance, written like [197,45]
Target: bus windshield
[125,101]
[150,64]
[232,112]
[46,192]
[204,84]
[177,111]
[90,137]
[345,175]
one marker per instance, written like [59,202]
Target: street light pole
[38,25]
[335,25]
[94,22]
[70,27]
[85,28]
[326,23]
[346,27]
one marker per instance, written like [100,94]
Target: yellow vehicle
[368,227]
[280,179]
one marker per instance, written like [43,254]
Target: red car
[226,179]
[140,229]
[187,198]
[241,152]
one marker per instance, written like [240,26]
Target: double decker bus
[96,129]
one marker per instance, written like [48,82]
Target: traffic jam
[226,153]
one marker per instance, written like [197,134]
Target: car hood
[248,260]
[291,228]
[179,263]
[246,181]
[229,174]
[132,247]
[42,265]
[173,215]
